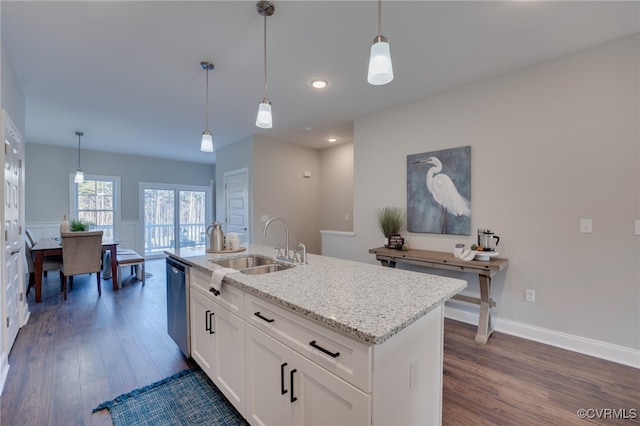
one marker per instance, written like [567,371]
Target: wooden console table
[441,260]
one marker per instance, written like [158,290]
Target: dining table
[53,247]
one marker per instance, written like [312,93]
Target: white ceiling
[128,73]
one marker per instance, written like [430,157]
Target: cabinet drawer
[230,297]
[343,356]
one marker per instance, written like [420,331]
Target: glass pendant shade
[79,177]
[380,67]
[264,119]
[207,142]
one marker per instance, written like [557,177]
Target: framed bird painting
[439,191]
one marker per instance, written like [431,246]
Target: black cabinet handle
[207,321]
[320,348]
[282,389]
[263,318]
[214,291]
[211,322]
[293,398]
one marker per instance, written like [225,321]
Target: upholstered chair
[49,263]
[81,254]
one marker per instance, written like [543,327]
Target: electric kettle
[216,236]
[487,239]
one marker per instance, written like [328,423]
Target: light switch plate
[586,226]
[637,227]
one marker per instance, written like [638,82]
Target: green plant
[390,220]
[77,225]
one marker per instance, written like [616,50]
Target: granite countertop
[368,302]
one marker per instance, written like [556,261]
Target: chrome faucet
[286,233]
[303,253]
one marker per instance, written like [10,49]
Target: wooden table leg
[114,266]
[485,328]
[37,266]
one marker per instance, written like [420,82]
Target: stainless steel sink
[252,265]
[244,262]
[265,269]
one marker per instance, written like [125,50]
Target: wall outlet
[414,373]
[346,217]
[586,226]
[530,295]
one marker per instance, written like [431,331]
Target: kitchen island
[329,342]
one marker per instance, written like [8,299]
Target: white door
[268,380]
[202,337]
[12,233]
[228,362]
[324,399]
[236,203]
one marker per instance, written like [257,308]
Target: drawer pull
[207,321]
[263,318]
[320,348]
[211,322]
[282,389]
[293,398]
[214,291]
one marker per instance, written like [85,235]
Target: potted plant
[78,226]
[390,220]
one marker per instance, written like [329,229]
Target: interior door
[12,229]
[236,202]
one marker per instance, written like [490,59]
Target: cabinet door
[268,380]
[228,359]
[325,399]
[202,337]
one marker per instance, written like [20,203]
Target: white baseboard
[595,348]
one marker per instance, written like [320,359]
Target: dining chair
[30,237]
[81,254]
[49,263]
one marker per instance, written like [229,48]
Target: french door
[174,217]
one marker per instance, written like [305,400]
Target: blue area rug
[186,398]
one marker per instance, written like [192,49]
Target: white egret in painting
[444,192]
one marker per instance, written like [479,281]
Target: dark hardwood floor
[73,355]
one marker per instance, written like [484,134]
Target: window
[175,216]
[95,201]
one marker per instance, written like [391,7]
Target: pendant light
[79,174]
[380,67]
[207,139]
[264,119]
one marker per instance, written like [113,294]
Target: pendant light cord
[379,17]
[265,56]
[206,119]
[79,168]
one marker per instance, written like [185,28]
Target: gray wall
[48,168]
[336,188]
[279,189]
[11,96]
[550,144]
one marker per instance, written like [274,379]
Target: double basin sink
[253,265]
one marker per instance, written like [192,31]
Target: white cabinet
[285,388]
[202,339]
[278,367]
[217,345]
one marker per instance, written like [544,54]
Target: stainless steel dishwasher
[178,304]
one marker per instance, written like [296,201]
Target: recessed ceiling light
[319,84]
[332,140]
